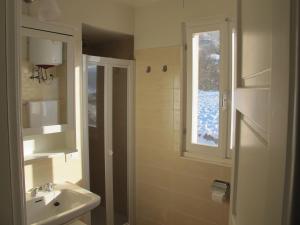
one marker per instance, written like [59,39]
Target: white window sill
[208,159]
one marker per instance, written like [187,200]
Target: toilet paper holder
[221,187]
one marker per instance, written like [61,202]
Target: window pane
[206,95]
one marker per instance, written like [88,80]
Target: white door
[261,103]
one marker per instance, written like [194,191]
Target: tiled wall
[170,190]
[56,170]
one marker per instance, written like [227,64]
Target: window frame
[203,151]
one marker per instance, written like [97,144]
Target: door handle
[110,152]
[224,101]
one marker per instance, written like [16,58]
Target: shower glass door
[96,139]
[119,125]
[110,110]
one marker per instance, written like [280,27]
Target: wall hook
[148,69]
[165,68]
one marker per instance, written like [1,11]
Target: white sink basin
[65,203]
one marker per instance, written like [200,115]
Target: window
[207,90]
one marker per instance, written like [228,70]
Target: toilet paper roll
[218,196]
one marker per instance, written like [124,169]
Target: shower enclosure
[109,86]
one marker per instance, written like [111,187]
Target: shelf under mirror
[67,153]
[45,130]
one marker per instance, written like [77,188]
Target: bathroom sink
[65,203]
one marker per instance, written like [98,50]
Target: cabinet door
[261,109]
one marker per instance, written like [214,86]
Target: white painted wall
[160,24]
[104,14]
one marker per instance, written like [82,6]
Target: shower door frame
[109,64]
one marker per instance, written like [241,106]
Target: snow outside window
[207,89]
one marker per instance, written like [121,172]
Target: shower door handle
[110,152]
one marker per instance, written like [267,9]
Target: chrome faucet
[48,187]
[34,191]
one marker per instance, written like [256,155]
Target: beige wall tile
[191,185]
[177,99]
[202,209]
[179,218]
[38,173]
[171,190]
[190,167]
[146,221]
[155,99]
[155,204]
[55,170]
[156,212]
[156,157]
[159,137]
[150,175]
[153,118]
